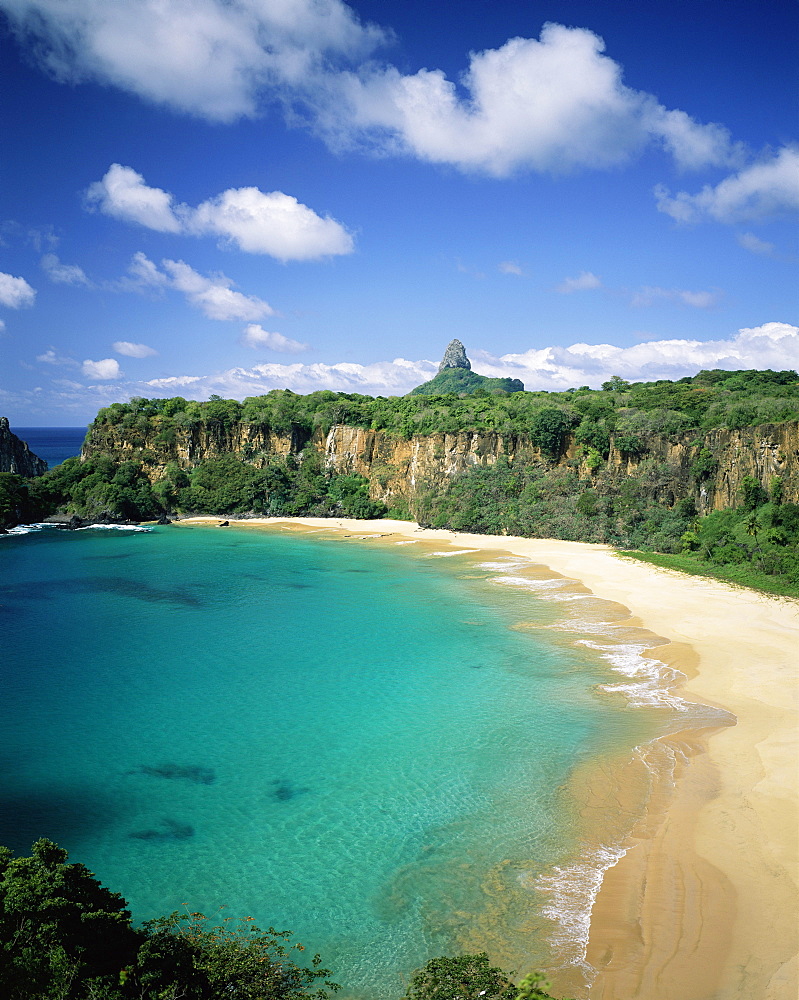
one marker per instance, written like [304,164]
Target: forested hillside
[706,467]
[630,411]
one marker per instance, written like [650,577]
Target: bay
[367,744]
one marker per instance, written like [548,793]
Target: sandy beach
[705,903]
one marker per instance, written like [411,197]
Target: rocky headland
[16,456]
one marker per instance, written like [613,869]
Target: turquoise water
[352,740]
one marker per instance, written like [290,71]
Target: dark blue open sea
[54,444]
[379,748]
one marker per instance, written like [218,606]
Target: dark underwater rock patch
[169,829]
[44,589]
[197,773]
[284,791]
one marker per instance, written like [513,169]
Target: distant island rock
[16,456]
[455,357]
[455,375]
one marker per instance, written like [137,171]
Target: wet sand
[705,903]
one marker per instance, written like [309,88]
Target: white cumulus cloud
[555,103]
[51,357]
[130,350]
[15,292]
[143,273]
[585,281]
[274,223]
[758,191]
[510,267]
[270,223]
[383,378]
[103,370]
[551,104]
[256,337]
[174,382]
[214,296]
[772,345]
[63,274]
[692,144]
[213,58]
[123,194]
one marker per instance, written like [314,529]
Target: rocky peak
[455,357]
[16,456]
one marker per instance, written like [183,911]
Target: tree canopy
[64,936]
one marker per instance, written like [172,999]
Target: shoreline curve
[703,905]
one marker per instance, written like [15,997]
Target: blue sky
[230,196]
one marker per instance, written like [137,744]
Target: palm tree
[752,525]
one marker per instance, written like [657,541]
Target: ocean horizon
[377,746]
[54,444]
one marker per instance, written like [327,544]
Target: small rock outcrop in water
[16,456]
[455,357]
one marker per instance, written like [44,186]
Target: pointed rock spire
[455,357]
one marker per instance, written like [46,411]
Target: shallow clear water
[355,741]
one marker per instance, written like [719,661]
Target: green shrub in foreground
[64,936]
[472,977]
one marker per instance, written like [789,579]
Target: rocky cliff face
[187,447]
[16,456]
[399,469]
[455,357]
[763,453]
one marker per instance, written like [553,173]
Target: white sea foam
[650,681]
[553,590]
[457,552]
[505,563]
[113,527]
[572,891]
[407,541]
[26,529]
[584,625]
[529,583]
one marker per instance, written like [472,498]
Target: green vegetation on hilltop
[64,936]
[461,380]
[632,411]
